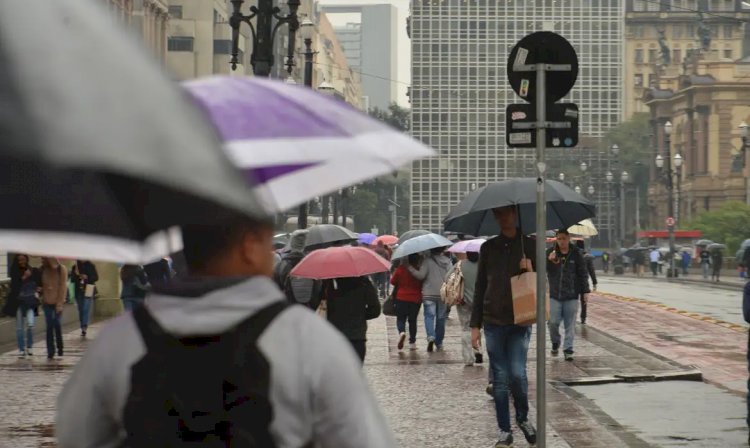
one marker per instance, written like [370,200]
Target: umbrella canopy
[367,238]
[703,242]
[340,262]
[388,240]
[584,228]
[296,151]
[411,234]
[323,235]
[716,247]
[473,215]
[745,244]
[467,246]
[421,244]
[102,157]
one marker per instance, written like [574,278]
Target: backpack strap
[152,333]
[251,328]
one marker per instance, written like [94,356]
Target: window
[727,53]
[639,55]
[177,43]
[728,31]
[175,11]
[222,46]
[638,81]
[677,31]
[677,56]
[652,55]
[639,5]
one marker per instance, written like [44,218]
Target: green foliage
[369,206]
[396,116]
[727,225]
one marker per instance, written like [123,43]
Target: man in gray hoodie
[432,273]
[317,391]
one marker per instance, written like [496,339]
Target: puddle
[674,413]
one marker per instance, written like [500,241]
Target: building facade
[371,48]
[460,90]
[661,35]
[705,107]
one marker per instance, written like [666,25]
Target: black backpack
[201,391]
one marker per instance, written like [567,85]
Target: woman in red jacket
[408,294]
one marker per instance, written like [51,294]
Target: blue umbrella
[421,244]
[367,238]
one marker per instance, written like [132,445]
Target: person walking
[84,277]
[305,382]
[303,291]
[431,272]
[381,279]
[135,285]
[23,302]
[705,256]
[686,258]
[640,262]
[591,270]
[605,262]
[654,256]
[566,272]
[54,289]
[407,291]
[351,302]
[501,258]
[717,260]
[469,270]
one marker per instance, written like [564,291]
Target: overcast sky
[404,48]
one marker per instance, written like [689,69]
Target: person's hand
[586,297]
[552,256]
[59,309]
[526,265]
[26,274]
[84,276]
[476,338]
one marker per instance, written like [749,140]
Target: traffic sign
[562,125]
[543,47]
[670,222]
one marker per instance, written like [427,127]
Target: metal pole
[262,57]
[394,211]
[637,211]
[541,264]
[670,190]
[622,213]
[302,212]
[746,170]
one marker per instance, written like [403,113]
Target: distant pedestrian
[640,262]
[746,261]
[568,278]
[23,301]
[407,290]
[381,279]
[159,272]
[686,258]
[302,291]
[501,258]
[54,290]
[469,270]
[84,277]
[351,302]
[705,256]
[135,285]
[591,270]
[654,256]
[605,262]
[717,260]
[432,272]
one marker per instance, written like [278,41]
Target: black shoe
[506,440]
[528,431]
[490,390]
[430,346]
[555,349]
[83,333]
[568,355]
[50,357]
[478,358]
[59,353]
[583,321]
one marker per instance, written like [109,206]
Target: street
[635,381]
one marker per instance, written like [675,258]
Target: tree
[396,116]
[727,225]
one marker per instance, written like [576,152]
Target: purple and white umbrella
[297,144]
[462,247]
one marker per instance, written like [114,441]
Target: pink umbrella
[339,262]
[388,240]
[467,246]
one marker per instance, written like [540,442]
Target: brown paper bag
[523,288]
[89,291]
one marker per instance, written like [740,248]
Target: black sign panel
[562,129]
[543,47]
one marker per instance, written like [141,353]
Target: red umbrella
[339,262]
[388,240]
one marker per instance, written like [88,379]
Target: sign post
[537,54]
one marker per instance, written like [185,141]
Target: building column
[107,303]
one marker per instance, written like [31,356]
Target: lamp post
[263,33]
[612,200]
[577,189]
[307,28]
[667,178]
[624,177]
[591,190]
[743,135]
[561,177]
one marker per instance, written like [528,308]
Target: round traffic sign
[543,47]
[670,221]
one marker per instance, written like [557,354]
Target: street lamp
[591,190]
[561,177]
[578,189]
[610,177]
[743,136]
[664,164]
[615,150]
[263,33]
[307,29]
[584,166]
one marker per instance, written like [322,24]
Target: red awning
[665,234]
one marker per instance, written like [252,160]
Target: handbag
[88,292]
[389,306]
[524,293]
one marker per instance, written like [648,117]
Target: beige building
[705,108]
[661,34]
[151,21]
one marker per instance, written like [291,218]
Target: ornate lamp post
[668,175]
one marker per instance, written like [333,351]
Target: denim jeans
[434,319]
[563,311]
[24,327]
[54,329]
[131,303]
[508,348]
[407,311]
[84,310]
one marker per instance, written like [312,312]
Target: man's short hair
[204,243]
[562,232]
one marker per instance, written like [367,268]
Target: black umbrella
[103,157]
[411,234]
[473,215]
[324,235]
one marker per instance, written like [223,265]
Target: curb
[688,375]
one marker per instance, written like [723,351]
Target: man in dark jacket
[84,277]
[301,291]
[589,260]
[352,301]
[566,271]
[501,258]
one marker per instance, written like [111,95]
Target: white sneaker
[412,346]
[28,352]
[401,340]
[21,354]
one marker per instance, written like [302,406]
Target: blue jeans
[84,310]
[54,329]
[131,303]
[24,318]
[564,311]
[508,348]
[434,319]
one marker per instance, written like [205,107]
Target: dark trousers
[407,311]
[54,330]
[654,268]
[361,348]
[584,305]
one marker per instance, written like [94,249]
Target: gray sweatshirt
[318,390]
[432,273]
